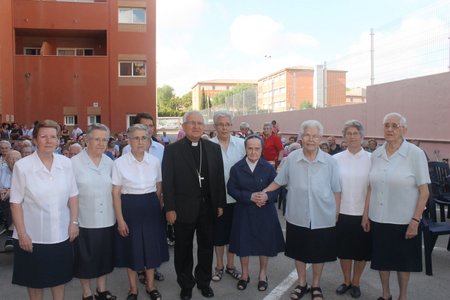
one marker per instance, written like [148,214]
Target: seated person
[5,184]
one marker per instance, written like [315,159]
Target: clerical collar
[194,144]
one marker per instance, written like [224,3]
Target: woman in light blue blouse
[312,207]
[398,194]
[94,246]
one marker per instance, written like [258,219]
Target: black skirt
[145,247]
[310,245]
[352,242]
[222,229]
[94,252]
[48,265]
[392,252]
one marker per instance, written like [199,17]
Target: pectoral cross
[200,178]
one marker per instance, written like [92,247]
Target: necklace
[199,170]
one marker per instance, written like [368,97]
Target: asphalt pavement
[282,279]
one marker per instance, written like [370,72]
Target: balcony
[60,42]
[57,14]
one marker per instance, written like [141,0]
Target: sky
[201,40]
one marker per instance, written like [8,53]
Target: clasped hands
[259,198]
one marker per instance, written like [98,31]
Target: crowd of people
[83,203]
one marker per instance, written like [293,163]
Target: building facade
[301,87]
[77,61]
[210,88]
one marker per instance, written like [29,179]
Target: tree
[203,100]
[221,97]
[170,105]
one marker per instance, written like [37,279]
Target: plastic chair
[431,230]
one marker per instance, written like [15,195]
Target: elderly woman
[141,239]
[44,207]
[312,207]
[353,244]
[5,147]
[255,230]
[398,194]
[94,245]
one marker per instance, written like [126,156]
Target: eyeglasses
[194,123]
[355,133]
[139,138]
[392,125]
[226,125]
[311,137]
[48,137]
[99,140]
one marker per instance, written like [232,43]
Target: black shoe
[158,276]
[343,288]
[207,291]
[186,294]
[355,292]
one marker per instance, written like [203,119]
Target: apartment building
[301,87]
[213,87]
[77,61]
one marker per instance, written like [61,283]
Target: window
[31,51]
[70,120]
[92,119]
[75,51]
[132,69]
[132,15]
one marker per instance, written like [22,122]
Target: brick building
[214,87]
[77,61]
[297,87]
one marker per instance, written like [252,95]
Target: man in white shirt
[76,132]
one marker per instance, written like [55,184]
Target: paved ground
[282,279]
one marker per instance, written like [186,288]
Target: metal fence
[415,46]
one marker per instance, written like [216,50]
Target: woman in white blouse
[94,246]
[353,244]
[141,240]
[44,207]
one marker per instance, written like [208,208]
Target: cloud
[261,35]
[179,13]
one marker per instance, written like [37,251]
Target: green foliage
[306,104]
[203,100]
[220,97]
[170,105]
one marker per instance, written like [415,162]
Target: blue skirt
[48,265]
[256,231]
[145,247]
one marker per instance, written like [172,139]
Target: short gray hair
[395,114]
[293,146]
[97,126]
[268,124]
[76,145]
[136,127]
[311,124]
[6,143]
[27,143]
[244,125]
[353,123]
[221,114]
[191,112]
